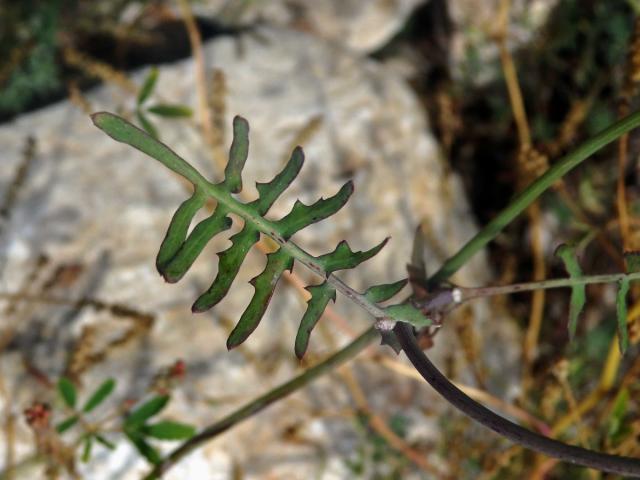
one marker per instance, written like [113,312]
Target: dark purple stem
[567,453]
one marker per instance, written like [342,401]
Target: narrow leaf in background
[578,295]
[148,86]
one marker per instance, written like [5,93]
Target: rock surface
[360,26]
[91,202]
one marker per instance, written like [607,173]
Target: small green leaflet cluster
[135,425]
[578,296]
[159,109]
[181,247]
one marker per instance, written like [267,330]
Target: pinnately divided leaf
[181,247]
[578,296]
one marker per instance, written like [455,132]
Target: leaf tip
[197,308]
[233,342]
[239,122]
[98,117]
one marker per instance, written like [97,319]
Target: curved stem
[515,433]
[260,403]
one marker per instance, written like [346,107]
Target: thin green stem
[472,293]
[122,131]
[260,403]
[530,194]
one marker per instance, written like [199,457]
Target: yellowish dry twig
[525,156]
[195,39]
[96,68]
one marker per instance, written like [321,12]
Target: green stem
[472,293]
[260,403]
[530,194]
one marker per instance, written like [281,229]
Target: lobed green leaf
[343,258]
[228,267]
[178,228]
[168,430]
[148,86]
[320,297]
[264,283]
[302,215]
[180,248]
[269,192]
[237,155]
[204,231]
[122,131]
